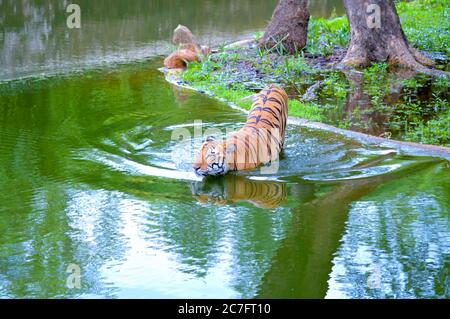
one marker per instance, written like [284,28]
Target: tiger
[258,142]
[237,188]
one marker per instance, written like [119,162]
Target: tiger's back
[261,138]
[269,110]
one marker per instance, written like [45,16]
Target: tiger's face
[210,160]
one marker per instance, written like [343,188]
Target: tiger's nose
[199,171]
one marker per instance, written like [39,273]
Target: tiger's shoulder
[269,109]
[272,94]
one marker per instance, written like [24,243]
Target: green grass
[425,121]
[309,111]
[197,76]
[413,117]
[426,24]
[232,95]
[335,86]
[435,131]
[325,34]
[376,81]
[258,35]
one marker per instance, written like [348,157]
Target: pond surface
[90,175]
[93,175]
[34,36]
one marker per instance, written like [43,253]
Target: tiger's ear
[210,138]
[231,148]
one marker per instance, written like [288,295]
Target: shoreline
[402,147]
[380,100]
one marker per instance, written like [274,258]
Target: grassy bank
[426,24]
[375,101]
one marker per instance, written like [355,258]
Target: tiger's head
[211,159]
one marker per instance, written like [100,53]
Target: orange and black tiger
[258,142]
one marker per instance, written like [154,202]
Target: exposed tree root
[400,57]
[385,42]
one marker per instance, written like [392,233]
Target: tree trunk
[376,35]
[289,26]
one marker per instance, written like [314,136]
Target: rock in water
[180,58]
[189,50]
[182,35]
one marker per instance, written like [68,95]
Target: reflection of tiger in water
[233,188]
[258,142]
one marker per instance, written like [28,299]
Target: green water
[34,37]
[92,174]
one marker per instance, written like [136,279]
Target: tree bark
[379,37]
[289,26]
